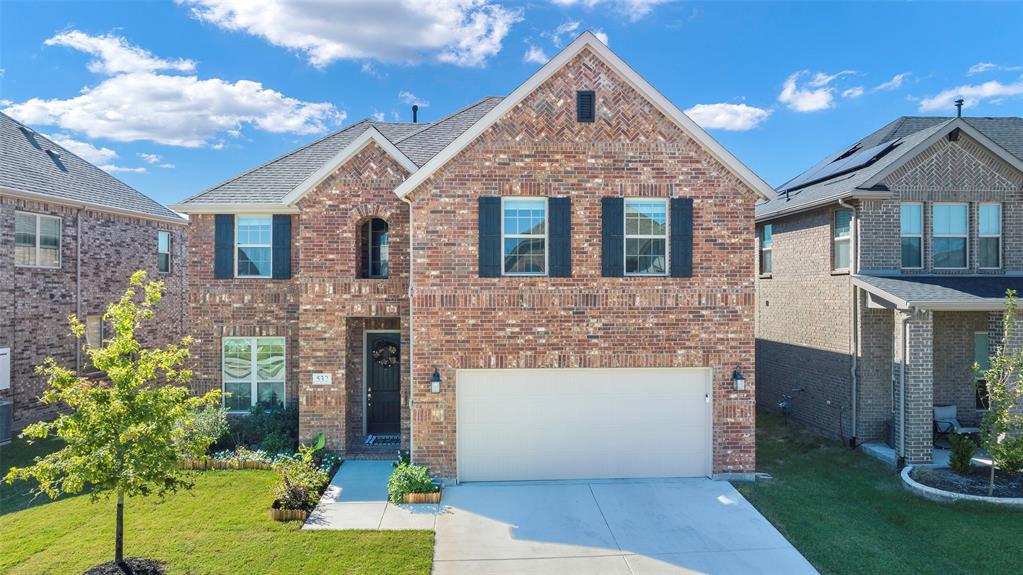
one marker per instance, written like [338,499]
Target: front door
[383,383]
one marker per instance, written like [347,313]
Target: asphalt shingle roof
[31,162]
[908,131]
[269,182]
[949,290]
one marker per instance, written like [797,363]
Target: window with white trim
[36,240]
[253,246]
[766,248]
[163,250]
[94,330]
[841,239]
[646,237]
[253,372]
[989,232]
[524,236]
[949,233]
[911,226]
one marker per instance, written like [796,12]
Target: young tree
[1002,427]
[127,429]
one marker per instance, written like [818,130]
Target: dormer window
[585,106]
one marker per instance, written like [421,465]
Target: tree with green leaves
[1001,430]
[126,429]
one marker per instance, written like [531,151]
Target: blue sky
[173,97]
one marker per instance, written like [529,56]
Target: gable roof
[910,136]
[266,186]
[34,167]
[587,40]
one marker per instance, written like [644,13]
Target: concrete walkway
[357,499]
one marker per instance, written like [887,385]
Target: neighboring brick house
[71,235]
[883,274]
[554,284]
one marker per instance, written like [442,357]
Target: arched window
[374,249]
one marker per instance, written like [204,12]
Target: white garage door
[517,424]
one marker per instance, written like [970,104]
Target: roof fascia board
[850,195]
[983,304]
[266,208]
[37,197]
[587,39]
[899,302]
[371,135]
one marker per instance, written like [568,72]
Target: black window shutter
[612,245]
[681,237]
[560,236]
[490,237]
[585,106]
[223,246]
[281,247]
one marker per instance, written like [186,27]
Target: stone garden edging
[942,496]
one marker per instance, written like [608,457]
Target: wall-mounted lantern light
[435,381]
[738,379]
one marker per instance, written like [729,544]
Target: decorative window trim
[254,379]
[766,247]
[545,236]
[998,236]
[269,245]
[38,238]
[627,236]
[159,265]
[919,236]
[836,239]
[965,237]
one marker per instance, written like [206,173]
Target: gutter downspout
[854,325]
[902,390]
[411,337]
[78,286]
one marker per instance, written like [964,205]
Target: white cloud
[631,9]
[535,55]
[981,67]
[854,92]
[84,150]
[602,36]
[818,96]
[155,159]
[732,117]
[972,94]
[821,79]
[114,55]
[378,116]
[412,100]
[110,168]
[566,31]
[178,110]
[893,84]
[460,32]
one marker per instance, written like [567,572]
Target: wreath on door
[385,353]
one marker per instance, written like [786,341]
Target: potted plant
[413,484]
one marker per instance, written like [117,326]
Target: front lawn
[221,526]
[850,514]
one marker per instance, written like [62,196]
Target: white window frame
[627,236]
[237,222]
[369,247]
[965,237]
[920,236]
[254,380]
[546,237]
[768,248]
[60,240]
[982,235]
[847,239]
[170,241]
[102,329]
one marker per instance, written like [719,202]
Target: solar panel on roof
[844,164]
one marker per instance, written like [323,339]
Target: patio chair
[946,421]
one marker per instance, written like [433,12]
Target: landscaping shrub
[963,449]
[273,430]
[301,482]
[407,479]
[209,422]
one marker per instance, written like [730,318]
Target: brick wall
[953,361]
[538,149]
[36,302]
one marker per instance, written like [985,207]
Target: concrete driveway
[629,527]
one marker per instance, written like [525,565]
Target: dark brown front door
[383,383]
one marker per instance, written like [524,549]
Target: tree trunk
[119,537]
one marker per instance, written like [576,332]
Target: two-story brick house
[70,237]
[882,279]
[553,284]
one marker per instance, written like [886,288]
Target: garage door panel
[582,423]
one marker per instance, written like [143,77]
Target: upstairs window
[524,236]
[990,236]
[585,106]
[949,236]
[253,241]
[163,249]
[911,226]
[646,237]
[766,244]
[375,249]
[841,239]
[36,240]
[253,372]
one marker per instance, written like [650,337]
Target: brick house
[71,235]
[533,287]
[882,278]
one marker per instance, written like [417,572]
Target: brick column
[919,396]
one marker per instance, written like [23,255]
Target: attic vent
[585,106]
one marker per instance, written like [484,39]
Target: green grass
[850,514]
[220,526]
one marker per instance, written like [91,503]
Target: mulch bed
[976,483]
[133,566]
